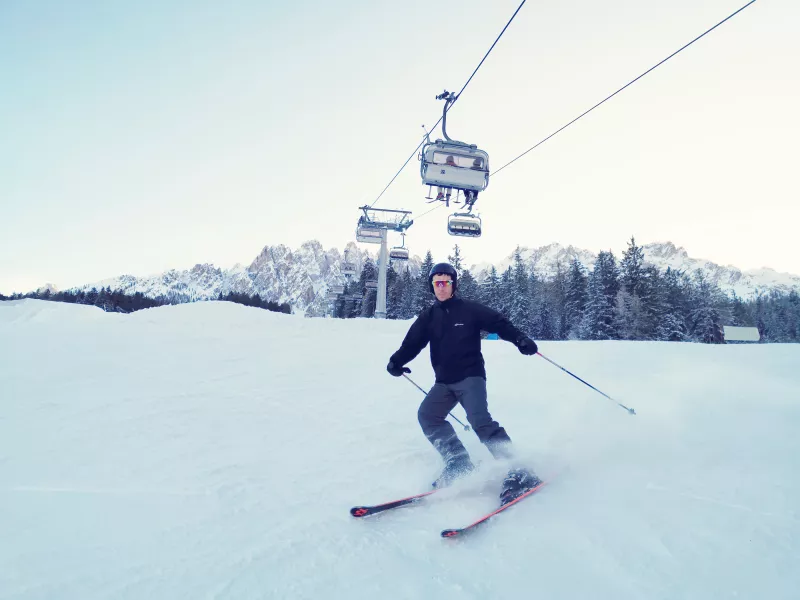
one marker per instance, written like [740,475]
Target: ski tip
[359,511]
[448,533]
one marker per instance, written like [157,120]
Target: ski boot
[516,483]
[454,469]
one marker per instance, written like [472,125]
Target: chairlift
[337,289]
[348,269]
[368,235]
[452,165]
[464,224]
[371,284]
[399,252]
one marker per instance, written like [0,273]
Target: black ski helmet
[443,269]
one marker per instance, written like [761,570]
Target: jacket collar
[452,300]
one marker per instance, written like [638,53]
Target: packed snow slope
[212,450]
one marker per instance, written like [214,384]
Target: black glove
[527,346]
[396,370]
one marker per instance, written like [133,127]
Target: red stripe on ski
[365,511]
[423,494]
[455,532]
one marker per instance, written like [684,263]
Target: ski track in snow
[213,451]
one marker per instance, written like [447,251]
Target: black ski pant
[471,394]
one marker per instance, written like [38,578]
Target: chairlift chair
[348,269]
[368,235]
[399,252]
[371,284]
[464,224]
[452,165]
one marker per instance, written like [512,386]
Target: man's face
[442,287]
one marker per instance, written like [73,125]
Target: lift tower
[372,228]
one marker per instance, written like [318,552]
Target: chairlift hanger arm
[449,100]
[400,222]
[464,87]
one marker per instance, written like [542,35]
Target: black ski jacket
[453,329]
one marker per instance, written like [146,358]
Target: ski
[449,533]
[366,511]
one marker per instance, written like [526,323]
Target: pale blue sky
[137,137]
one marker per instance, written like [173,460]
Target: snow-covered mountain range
[544,261]
[301,277]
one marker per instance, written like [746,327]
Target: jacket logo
[458,325]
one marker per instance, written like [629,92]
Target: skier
[452,325]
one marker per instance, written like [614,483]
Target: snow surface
[212,450]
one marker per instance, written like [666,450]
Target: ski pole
[466,427]
[630,410]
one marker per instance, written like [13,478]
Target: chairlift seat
[368,235]
[398,253]
[464,225]
[454,165]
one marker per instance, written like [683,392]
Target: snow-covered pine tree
[672,302]
[556,293]
[629,317]
[739,315]
[506,292]
[598,320]
[780,315]
[394,294]
[407,297]
[705,314]
[575,299]
[519,296]
[350,310]
[468,287]
[369,272]
[422,291]
[631,269]
[491,290]
[640,282]
[536,291]
[547,321]
[793,300]
[455,259]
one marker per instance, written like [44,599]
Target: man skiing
[452,326]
